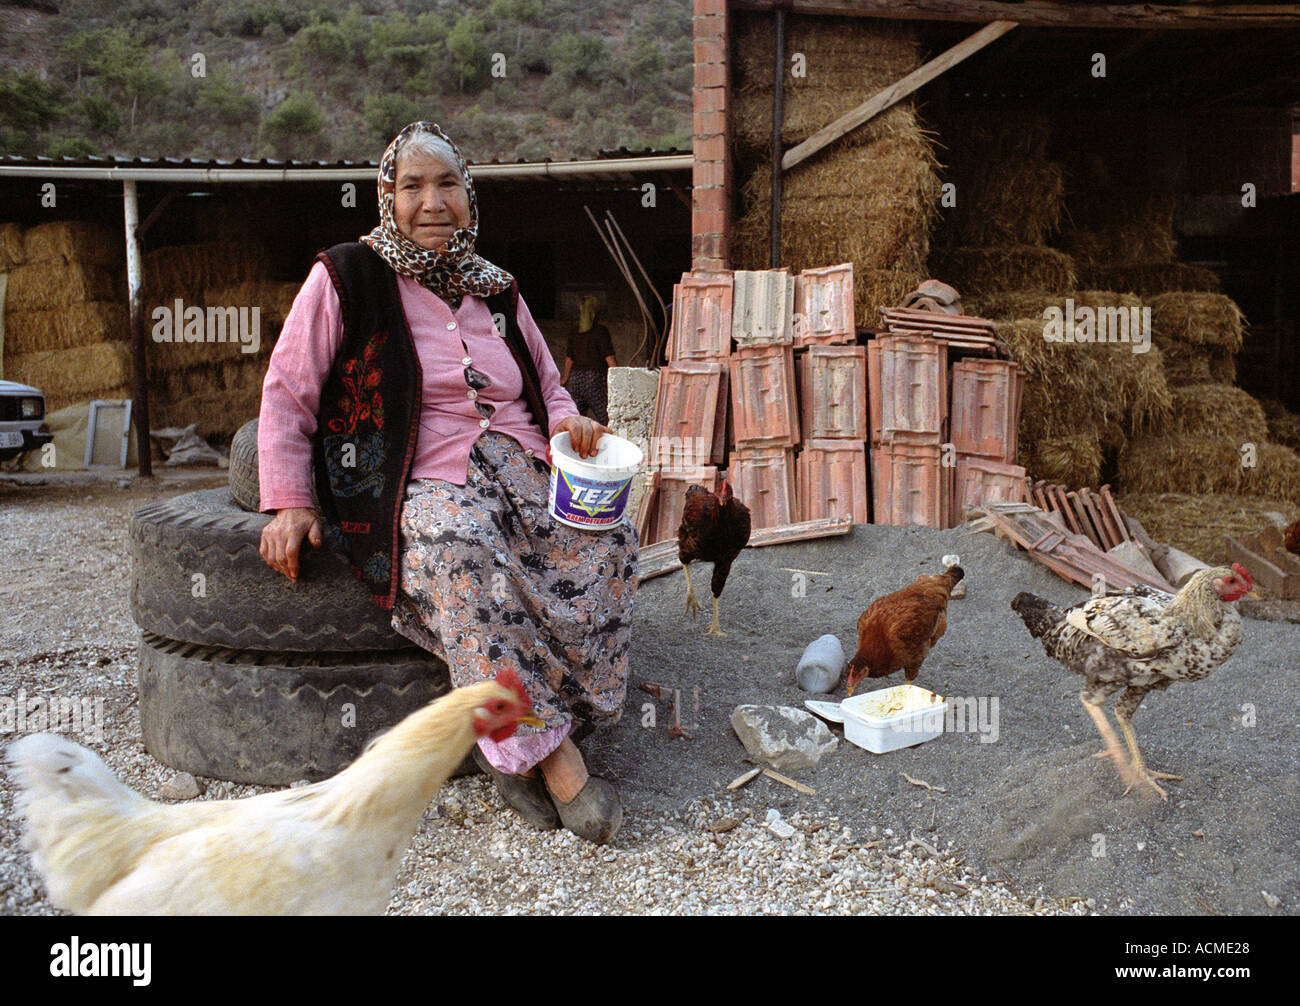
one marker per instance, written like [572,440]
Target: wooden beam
[895,92]
[1050,13]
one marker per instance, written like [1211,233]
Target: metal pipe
[778,115]
[139,375]
[537,169]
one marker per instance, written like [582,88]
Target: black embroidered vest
[369,413]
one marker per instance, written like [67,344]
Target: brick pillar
[711,193]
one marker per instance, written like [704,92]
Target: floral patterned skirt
[489,580]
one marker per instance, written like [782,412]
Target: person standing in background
[587,362]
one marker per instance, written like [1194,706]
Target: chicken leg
[1113,750]
[1138,769]
[692,605]
[714,630]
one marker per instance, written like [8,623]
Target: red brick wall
[711,193]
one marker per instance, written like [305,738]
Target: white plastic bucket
[591,493]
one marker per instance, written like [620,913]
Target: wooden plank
[895,92]
[1103,537]
[657,559]
[1120,524]
[823,527]
[1050,13]
[1064,509]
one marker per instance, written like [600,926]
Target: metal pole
[778,97]
[139,376]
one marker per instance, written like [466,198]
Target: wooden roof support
[1052,13]
[891,95]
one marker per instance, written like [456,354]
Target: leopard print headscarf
[450,271]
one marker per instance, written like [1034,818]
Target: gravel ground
[1028,824]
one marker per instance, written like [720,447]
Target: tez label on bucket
[591,502]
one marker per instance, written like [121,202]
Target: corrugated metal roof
[608,166]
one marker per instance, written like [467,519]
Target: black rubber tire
[274,718]
[248,606]
[244,485]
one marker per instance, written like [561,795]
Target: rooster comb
[509,678]
[1244,573]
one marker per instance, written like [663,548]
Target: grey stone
[181,786]
[781,736]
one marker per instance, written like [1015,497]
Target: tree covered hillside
[507,79]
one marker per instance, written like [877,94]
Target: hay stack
[1201,319]
[1216,410]
[188,270]
[847,61]
[66,327]
[869,205]
[1117,225]
[45,286]
[75,240]
[1147,279]
[1071,461]
[68,376]
[1008,191]
[11,246]
[1283,424]
[1187,364]
[870,197]
[1199,524]
[979,272]
[1201,465]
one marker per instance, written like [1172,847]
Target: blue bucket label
[588,501]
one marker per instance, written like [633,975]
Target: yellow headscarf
[587,313]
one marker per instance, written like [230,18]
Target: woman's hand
[584,433]
[282,538]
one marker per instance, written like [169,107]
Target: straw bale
[877,288]
[1119,225]
[11,246]
[869,205]
[846,59]
[1204,319]
[273,299]
[189,270]
[1215,410]
[978,272]
[1147,279]
[1283,424]
[66,327]
[1008,191]
[69,375]
[1015,304]
[48,285]
[1198,524]
[1071,461]
[75,241]
[1209,465]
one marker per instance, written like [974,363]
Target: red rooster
[714,529]
[1291,539]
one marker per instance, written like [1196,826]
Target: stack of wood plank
[1084,511]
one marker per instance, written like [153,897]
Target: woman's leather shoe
[527,797]
[594,814]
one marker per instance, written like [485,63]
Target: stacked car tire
[245,675]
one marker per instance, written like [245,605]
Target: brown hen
[899,629]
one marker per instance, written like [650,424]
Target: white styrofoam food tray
[893,718]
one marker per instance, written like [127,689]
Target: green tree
[469,56]
[124,66]
[517,12]
[294,127]
[645,69]
[386,114]
[582,55]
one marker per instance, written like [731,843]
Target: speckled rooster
[1140,640]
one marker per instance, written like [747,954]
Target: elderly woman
[411,378]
